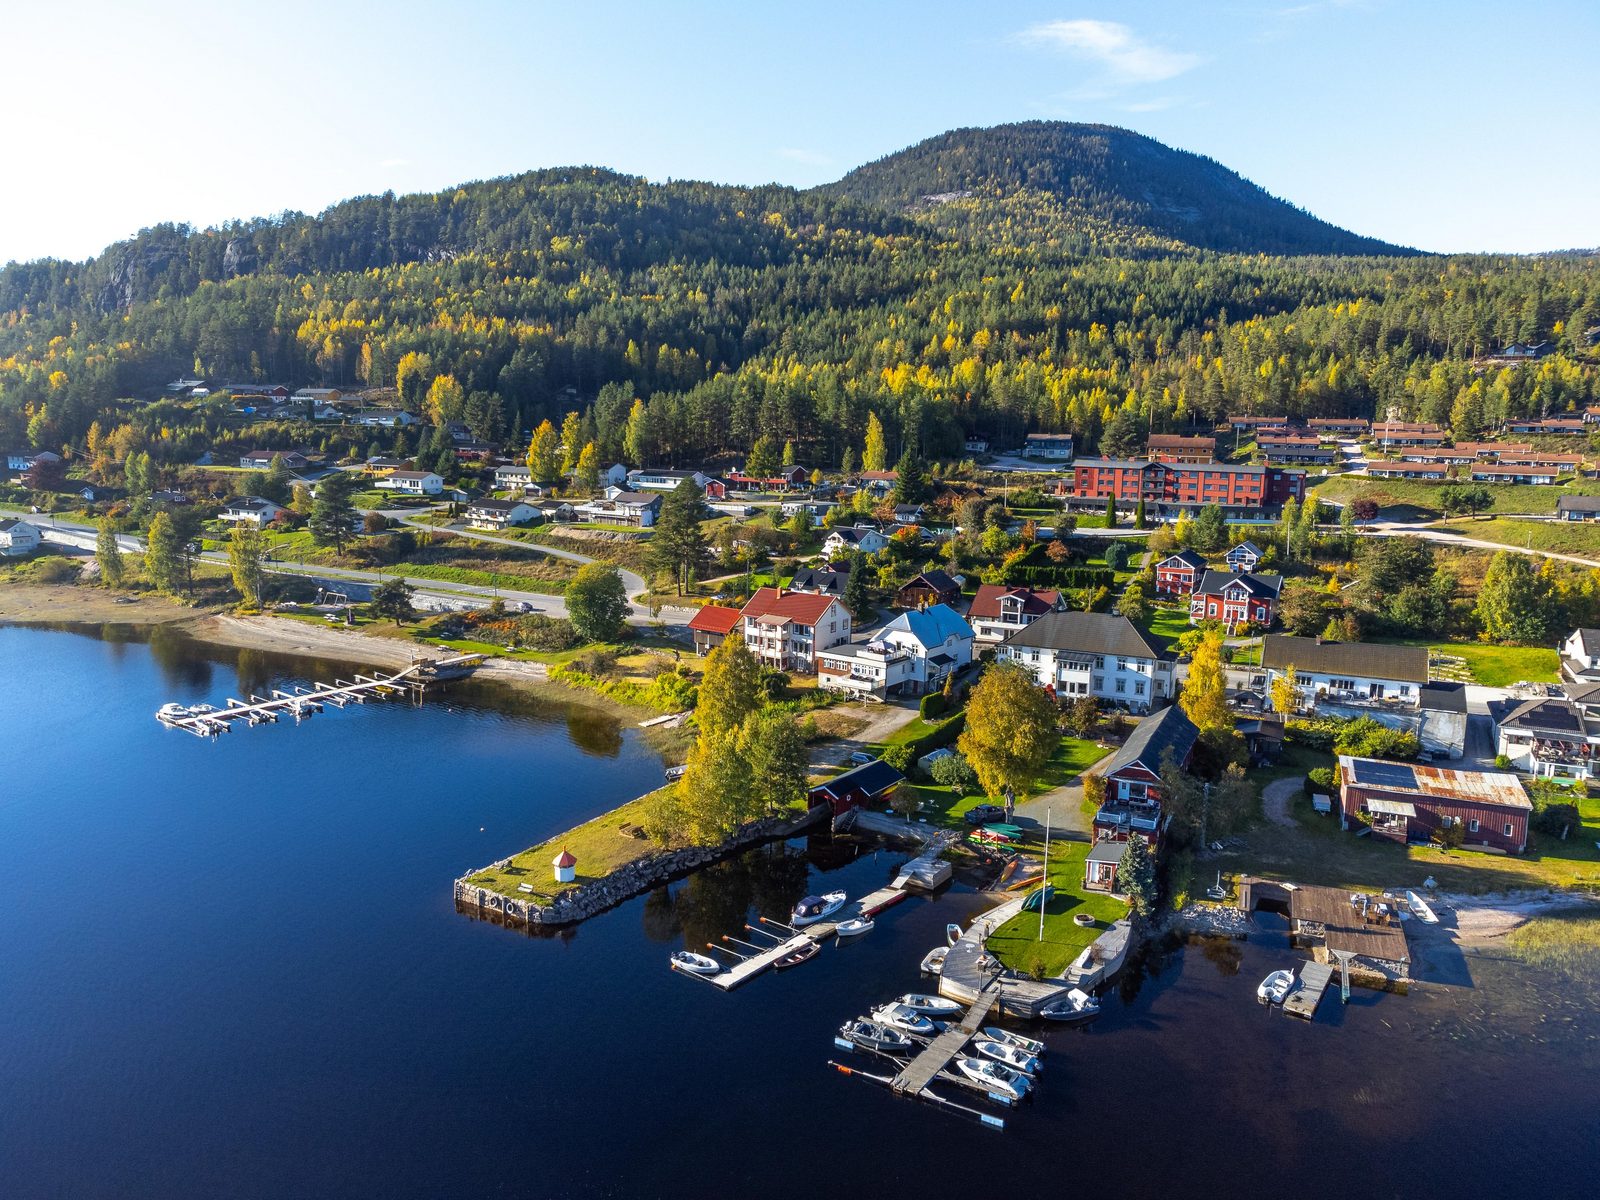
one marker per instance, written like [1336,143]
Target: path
[1275,799]
[1447,538]
[882,721]
[1064,805]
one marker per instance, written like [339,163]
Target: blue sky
[1459,126]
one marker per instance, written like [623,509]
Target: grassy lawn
[1071,758]
[1167,622]
[1495,666]
[910,732]
[1017,943]
[1318,851]
[1404,497]
[1560,537]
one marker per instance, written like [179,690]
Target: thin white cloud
[808,158]
[1124,56]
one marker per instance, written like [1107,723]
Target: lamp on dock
[565,865]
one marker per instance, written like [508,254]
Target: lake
[234,968]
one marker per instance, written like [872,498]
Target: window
[1122,664]
[1472,825]
[1508,828]
[1122,686]
[1138,687]
[1099,683]
[1099,665]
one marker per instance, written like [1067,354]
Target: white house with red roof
[785,629]
[711,626]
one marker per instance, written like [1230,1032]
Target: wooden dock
[1307,993]
[937,1055]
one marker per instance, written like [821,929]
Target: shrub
[1320,779]
[1502,762]
[932,706]
[956,773]
[900,757]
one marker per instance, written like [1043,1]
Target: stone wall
[634,879]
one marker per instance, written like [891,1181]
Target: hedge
[1065,578]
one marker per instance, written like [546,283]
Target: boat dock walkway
[1307,993]
[303,701]
[751,965]
[936,1056]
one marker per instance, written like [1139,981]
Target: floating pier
[303,702]
[1306,994]
[937,1055]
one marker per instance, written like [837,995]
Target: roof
[987,602]
[1588,640]
[11,523]
[1443,697]
[500,506]
[931,626]
[1264,587]
[938,581]
[1587,504]
[1436,783]
[1359,660]
[1094,633]
[1107,852]
[804,607]
[1170,729]
[413,474]
[1344,925]
[252,502]
[1139,464]
[1184,558]
[852,535]
[1246,547]
[872,778]
[564,859]
[827,580]
[1049,437]
[1546,714]
[1178,441]
[715,618]
[634,500]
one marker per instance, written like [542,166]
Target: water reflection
[720,899]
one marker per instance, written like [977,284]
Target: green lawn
[1495,666]
[1404,497]
[1167,622]
[1580,538]
[1018,944]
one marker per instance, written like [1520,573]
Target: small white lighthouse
[565,865]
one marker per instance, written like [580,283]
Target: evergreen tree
[1136,878]
[392,599]
[858,589]
[1111,511]
[774,759]
[333,514]
[1138,515]
[911,480]
[678,544]
[762,462]
[274,485]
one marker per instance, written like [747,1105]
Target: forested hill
[1102,182]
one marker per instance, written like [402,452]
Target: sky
[1459,126]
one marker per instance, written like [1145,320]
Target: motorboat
[952,934]
[855,927]
[994,1077]
[802,953]
[202,710]
[995,1034]
[1420,909]
[933,962]
[909,1020]
[930,1006]
[817,908]
[1077,1005]
[1275,987]
[695,964]
[174,711]
[1014,1057]
[875,1035]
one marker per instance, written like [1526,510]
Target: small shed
[566,866]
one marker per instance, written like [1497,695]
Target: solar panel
[1386,774]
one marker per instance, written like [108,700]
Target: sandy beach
[55,604]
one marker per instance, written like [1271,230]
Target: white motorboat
[900,1017]
[695,964]
[1076,1005]
[952,934]
[995,1034]
[930,1006]
[933,962]
[168,713]
[817,908]
[855,927]
[1275,987]
[1014,1057]
[1420,909]
[875,1036]
[994,1077]
[201,710]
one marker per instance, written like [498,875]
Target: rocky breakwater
[627,881]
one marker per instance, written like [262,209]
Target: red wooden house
[1236,599]
[1133,803]
[1177,574]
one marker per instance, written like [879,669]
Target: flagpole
[1044,884]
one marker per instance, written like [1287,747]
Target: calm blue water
[235,969]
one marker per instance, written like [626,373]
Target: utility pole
[1205,812]
[1044,883]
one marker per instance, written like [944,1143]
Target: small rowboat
[695,964]
[933,964]
[797,956]
[1014,1057]
[929,1006]
[952,934]
[1275,987]
[1420,909]
[855,927]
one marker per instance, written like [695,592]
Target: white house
[1048,445]
[384,418]
[998,611]
[1244,557]
[500,514]
[513,475]
[1074,654]
[616,475]
[620,508]
[17,538]
[656,479]
[787,630]
[939,641]
[1580,656]
[861,537]
[876,668]
[1553,736]
[413,483]
[251,510]
[24,462]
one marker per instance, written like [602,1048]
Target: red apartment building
[1178,486]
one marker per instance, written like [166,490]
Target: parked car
[982,814]
[859,757]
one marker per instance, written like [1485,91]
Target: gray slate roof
[1170,729]
[1260,586]
[1092,633]
[1405,664]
